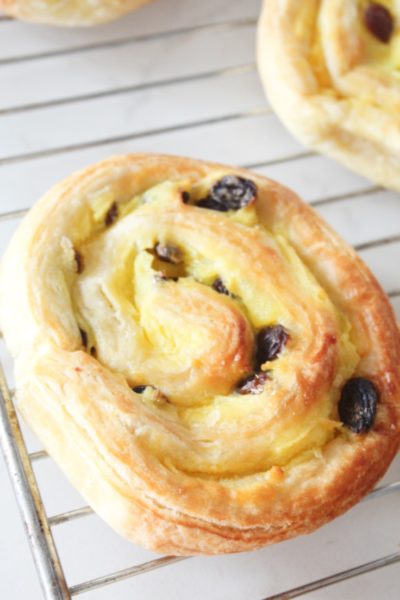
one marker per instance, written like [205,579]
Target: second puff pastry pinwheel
[208,362]
[331,72]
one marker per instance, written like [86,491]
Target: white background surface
[178,76]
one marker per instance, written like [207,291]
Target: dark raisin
[270,343]
[212,205]
[253,384]
[185,197]
[139,389]
[93,351]
[84,337]
[357,406]
[163,277]
[219,287]
[111,214]
[379,21]
[79,261]
[230,193]
[169,254]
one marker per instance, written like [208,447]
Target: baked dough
[331,72]
[139,295]
[69,12]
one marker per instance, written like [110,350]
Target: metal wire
[391,239]
[129,89]
[126,41]
[19,462]
[98,582]
[29,500]
[337,578]
[368,191]
[146,133]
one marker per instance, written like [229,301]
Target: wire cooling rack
[179,76]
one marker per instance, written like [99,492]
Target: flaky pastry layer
[331,72]
[129,354]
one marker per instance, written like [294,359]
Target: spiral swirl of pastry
[197,349]
[69,12]
[331,72]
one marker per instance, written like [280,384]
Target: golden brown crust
[69,12]
[197,475]
[333,83]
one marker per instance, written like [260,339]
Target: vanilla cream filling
[194,345]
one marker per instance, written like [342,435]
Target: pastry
[209,363]
[69,12]
[330,69]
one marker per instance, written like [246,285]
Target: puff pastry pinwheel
[209,363]
[69,12]
[331,72]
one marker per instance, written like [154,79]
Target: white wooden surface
[179,77]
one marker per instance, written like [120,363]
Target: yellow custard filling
[353,55]
[169,332]
[384,56]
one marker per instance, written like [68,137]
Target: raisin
[93,351]
[379,21]
[270,343]
[357,405]
[169,254]
[111,214]
[79,261]
[163,277]
[212,205]
[230,193]
[219,287]
[253,384]
[185,197]
[139,389]
[83,337]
